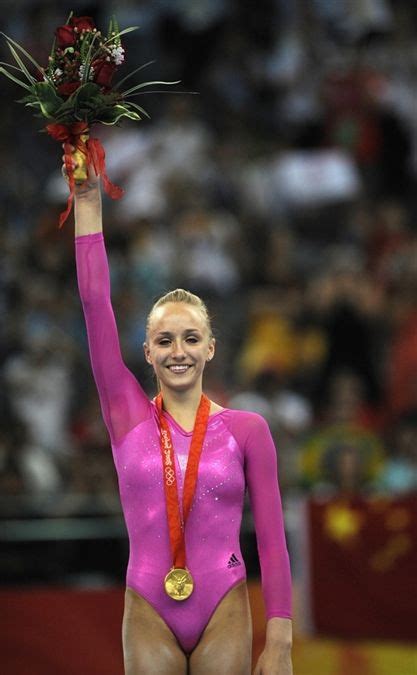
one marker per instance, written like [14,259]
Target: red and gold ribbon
[76,135]
[176,524]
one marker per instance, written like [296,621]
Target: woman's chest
[220,469]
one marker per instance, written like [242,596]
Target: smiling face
[178,345]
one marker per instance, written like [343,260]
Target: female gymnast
[183,464]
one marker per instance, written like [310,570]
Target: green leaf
[10,65]
[15,79]
[138,107]
[120,82]
[84,92]
[20,63]
[110,28]
[114,114]
[89,59]
[52,54]
[115,29]
[119,34]
[126,112]
[162,91]
[49,101]
[32,104]
[146,84]
[84,50]
[29,98]
[23,51]
[126,30]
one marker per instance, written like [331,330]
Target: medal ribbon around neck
[176,526]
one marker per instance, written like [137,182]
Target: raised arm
[123,402]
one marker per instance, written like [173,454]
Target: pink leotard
[238,451]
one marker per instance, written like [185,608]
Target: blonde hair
[181,295]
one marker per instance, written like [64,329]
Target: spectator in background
[288,412]
[349,308]
[90,480]
[342,456]
[399,475]
[401,368]
[205,249]
[39,384]
[25,468]
[359,120]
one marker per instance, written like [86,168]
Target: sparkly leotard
[238,451]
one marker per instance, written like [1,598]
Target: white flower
[58,72]
[118,55]
[81,72]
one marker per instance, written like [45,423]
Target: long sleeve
[123,402]
[262,481]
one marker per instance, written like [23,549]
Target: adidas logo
[234,561]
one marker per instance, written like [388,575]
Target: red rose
[65,36]
[68,88]
[82,23]
[103,72]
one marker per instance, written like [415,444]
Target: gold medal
[179,583]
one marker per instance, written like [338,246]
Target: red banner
[61,632]
[363,567]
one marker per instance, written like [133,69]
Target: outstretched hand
[85,187]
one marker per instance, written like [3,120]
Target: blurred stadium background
[285,194]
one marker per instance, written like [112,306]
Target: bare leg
[149,646]
[226,644]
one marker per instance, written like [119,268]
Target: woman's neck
[182,405]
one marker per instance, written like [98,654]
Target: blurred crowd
[283,192]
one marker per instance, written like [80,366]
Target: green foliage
[49,101]
[113,34]
[86,104]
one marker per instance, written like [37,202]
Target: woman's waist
[200,562]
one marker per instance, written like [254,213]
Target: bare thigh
[149,646]
[226,644]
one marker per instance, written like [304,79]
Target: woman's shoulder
[242,423]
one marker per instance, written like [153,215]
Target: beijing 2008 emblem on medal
[179,583]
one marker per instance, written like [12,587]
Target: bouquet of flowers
[75,90]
